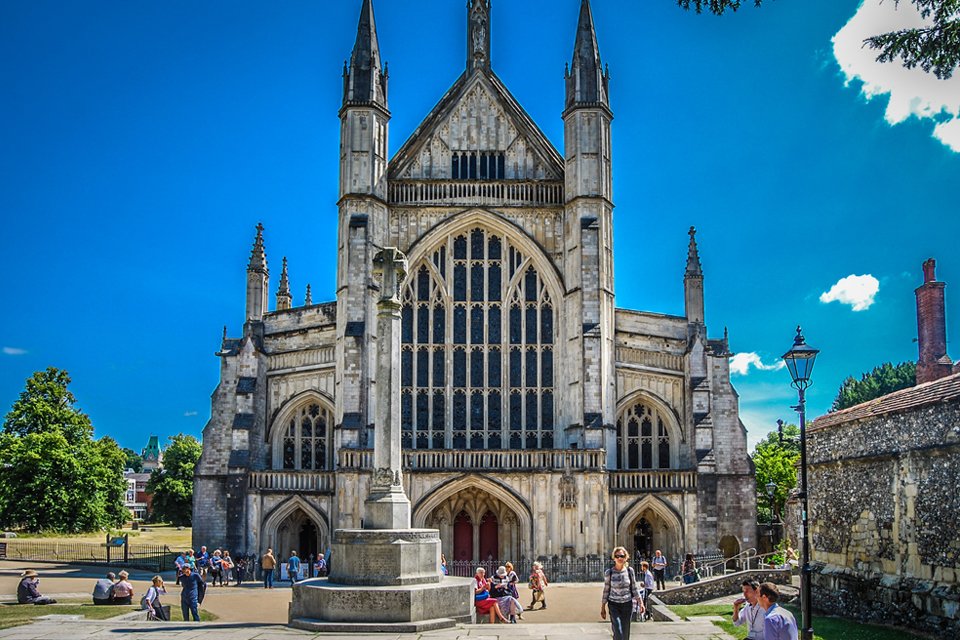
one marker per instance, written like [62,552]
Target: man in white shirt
[747,611]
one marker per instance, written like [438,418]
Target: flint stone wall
[884,527]
[719,587]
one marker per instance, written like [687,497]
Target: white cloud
[857,291]
[912,92]
[189,414]
[740,363]
[14,351]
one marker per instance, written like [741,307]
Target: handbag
[483,595]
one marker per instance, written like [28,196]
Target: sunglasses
[619,555]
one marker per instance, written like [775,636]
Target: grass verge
[824,627]
[12,615]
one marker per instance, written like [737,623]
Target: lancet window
[304,440]
[643,440]
[478,165]
[477,356]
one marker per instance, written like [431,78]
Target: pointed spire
[587,82]
[693,255]
[258,255]
[284,299]
[223,340]
[308,300]
[478,34]
[364,82]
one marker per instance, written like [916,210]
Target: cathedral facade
[537,418]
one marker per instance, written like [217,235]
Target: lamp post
[799,360]
[771,488]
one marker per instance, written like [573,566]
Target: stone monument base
[383,580]
[319,605]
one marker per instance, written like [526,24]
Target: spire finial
[478,34]
[587,83]
[223,340]
[308,299]
[258,255]
[364,81]
[693,255]
[284,299]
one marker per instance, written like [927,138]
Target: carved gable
[478,122]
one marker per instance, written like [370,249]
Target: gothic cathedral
[537,418]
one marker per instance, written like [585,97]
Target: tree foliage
[776,462]
[935,48]
[884,379]
[134,461]
[53,475]
[172,486]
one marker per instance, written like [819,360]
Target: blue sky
[143,141]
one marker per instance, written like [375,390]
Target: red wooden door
[463,538]
[489,540]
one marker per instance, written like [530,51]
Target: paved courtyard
[252,613]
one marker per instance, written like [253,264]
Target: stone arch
[272,521]
[671,420]
[516,514]
[671,526]
[286,411]
[466,220]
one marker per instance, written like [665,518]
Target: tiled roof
[946,388]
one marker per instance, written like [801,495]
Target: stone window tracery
[482,378]
[303,444]
[643,440]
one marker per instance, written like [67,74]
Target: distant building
[137,500]
[883,478]
[152,455]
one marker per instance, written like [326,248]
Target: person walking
[747,611]
[103,590]
[192,595]
[268,563]
[659,565]
[538,585]
[151,600]
[293,567]
[620,591]
[648,586]
[778,623]
[689,570]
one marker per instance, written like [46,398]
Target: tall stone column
[387,506]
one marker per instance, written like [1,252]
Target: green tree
[53,475]
[134,461]
[935,49]
[172,486]
[884,379]
[776,462]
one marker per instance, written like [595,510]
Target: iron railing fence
[137,556]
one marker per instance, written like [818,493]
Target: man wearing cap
[27,592]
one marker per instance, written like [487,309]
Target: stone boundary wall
[885,534]
[719,587]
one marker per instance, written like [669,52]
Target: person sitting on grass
[123,590]
[103,590]
[27,591]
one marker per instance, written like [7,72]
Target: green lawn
[824,628]
[12,615]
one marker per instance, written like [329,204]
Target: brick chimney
[932,327]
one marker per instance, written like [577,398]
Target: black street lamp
[771,488]
[799,360]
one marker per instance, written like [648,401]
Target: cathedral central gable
[477,131]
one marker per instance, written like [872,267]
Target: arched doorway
[643,541]
[297,532]
[730,547]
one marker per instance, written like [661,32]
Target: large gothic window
[643,441]
[303,444]
[477,358]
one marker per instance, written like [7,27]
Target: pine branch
[934,49]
